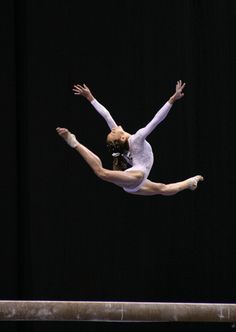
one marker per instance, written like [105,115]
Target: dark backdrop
[65,234]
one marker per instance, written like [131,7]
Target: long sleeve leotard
[140,150]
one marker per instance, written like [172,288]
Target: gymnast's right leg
[150,188]
[120,178]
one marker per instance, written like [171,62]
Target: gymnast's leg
[150,188]
[120,178]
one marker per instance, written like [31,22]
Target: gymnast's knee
[100,172]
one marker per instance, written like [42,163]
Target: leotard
[139,148]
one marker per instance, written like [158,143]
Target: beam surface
[116,311]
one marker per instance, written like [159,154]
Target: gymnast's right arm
[84,91]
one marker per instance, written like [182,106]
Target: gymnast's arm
[163,112]
[84,91]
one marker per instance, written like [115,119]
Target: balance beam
[116,311]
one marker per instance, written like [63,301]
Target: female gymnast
[133,155]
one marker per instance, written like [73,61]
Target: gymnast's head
[118,146]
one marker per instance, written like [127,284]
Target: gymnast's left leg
[150,188]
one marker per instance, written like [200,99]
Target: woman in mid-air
[132,154]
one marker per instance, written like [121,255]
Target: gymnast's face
[116,134]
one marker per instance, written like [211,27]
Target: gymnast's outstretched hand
[178,92]
[83,90]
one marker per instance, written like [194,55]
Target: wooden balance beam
[116,311]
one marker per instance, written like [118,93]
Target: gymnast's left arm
[163,112]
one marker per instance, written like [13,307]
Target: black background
[65,234]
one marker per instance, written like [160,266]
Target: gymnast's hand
[178,92]
[83,90]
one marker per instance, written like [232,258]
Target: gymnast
[132,154]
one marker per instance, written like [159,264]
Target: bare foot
[67,136]
[193,182]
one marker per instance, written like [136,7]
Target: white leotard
[140,150]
